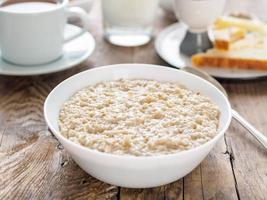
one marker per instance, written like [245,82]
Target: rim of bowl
[94,151]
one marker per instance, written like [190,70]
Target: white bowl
[131,171]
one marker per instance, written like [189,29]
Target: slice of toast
[252,58]
[248,24]
[247,53]
[223,38]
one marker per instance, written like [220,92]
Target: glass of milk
[128,22]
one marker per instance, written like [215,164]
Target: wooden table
[33,165]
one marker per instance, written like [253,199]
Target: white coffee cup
[36,37]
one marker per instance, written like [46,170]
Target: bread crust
[201,60]
[225,37]
[222,44]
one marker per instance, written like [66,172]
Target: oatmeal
[138,117]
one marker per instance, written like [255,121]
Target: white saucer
[167,46]
[74,52]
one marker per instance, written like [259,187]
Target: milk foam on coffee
[27,7]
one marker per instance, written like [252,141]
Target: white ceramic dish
[131,171]
[74,52]
[167,46]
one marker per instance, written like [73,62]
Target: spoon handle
[254,132]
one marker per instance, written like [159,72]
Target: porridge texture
[138,117]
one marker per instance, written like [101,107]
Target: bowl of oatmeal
[137,125]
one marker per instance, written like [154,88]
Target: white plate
[74,52]
[167,46]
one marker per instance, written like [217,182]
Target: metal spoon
[254,132]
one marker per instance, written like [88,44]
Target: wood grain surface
[33,165]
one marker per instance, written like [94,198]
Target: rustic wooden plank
[174,191]
[248,157]
[142,194]
[217,176]
[193,188]
[213,179]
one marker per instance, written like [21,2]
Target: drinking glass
[128,22]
